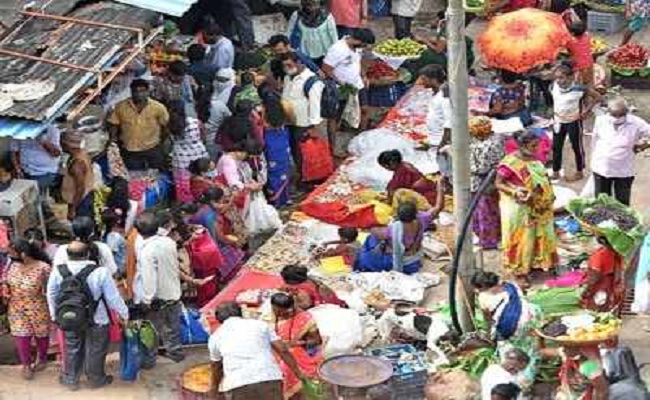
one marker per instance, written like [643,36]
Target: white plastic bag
[641,303]
[377,140]
[589,191]
[341,329]
[261,216]
[352,111]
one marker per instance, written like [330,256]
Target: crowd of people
[242,144]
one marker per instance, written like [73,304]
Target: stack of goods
[288,246]
[556,301]
[582,328]
[605,216]
[341,188]
[386,85]
[629,60]
[149,188]
[409,370]
[396,51]
[409,117]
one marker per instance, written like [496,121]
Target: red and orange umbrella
[521,40]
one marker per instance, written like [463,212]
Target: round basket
[621,70]
[193,385]
[575,343]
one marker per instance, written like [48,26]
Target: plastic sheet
[376,141]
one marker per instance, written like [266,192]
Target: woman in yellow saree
[526,202]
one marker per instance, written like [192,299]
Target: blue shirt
[100,282]
[221,54]
[34,159]
[116,242]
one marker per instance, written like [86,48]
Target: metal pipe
[460,243]
[48,61]
[80,21]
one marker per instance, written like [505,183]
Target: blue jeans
[44,182]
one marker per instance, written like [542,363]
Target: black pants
[167,321]
[574,131]
[87,348]
[144,160]
[402,26]
[620,188]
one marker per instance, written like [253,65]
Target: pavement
[161,383]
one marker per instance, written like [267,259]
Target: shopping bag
[317,161]
[130,354]
[352,111]
[313,389]
[192,330]
[261,216]
[114,330]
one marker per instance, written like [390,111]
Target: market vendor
[409,181]
[581,375]
[509,100]
[604,283]
[528,235]
[398,246]
[308,291]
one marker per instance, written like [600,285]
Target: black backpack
[75,305]
[329,101]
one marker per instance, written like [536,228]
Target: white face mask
[82,145]
[619,121]
[163,232]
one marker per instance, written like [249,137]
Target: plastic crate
[607,23]
[409,374]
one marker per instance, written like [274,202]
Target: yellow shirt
[140,131]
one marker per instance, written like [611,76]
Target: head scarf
[223,89]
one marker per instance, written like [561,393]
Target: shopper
[312,30]
[176,85]
[86,349]
[637,13]
[220,52]
[616,138]
[280,45]
[159,280]
[139,125]
[434,77]
[78,184]
[403,13]
[506,372]
[349,15]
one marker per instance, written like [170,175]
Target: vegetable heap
[599,213]
[630,56]
[381,70]
[556,301]
[605,326]
[400,48]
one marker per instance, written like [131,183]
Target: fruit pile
[400,48]
[600,213]
[600,327]
[630,56]
[198,379]
[598,45]
[380,71]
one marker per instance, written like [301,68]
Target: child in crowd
[580,51]
[277,152]
[248,90]
[204,175]
[346,247]
[114,223]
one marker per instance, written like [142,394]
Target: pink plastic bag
[114,329]
[570,279]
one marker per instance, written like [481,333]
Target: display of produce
[556,301]
[630,56]
[400,48]
[583,327]
[380,71]
[601,213]
[598,45]
[481,126]
[475,362]
[198,379]
[288,246]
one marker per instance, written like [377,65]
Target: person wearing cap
[617,136]
[77,187]
[139,125]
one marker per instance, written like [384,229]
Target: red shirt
[580,50]
[605,260]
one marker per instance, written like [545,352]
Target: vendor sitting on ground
[409,183]
[513,362]
[604,283]
[398,246]
[581,374]
[346,247]
[309,291]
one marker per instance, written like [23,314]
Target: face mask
[163,231]
[211,174]
[82,145]
[291,71]
[617,121]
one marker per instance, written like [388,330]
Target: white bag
[641,303]
[261,216]
[352,111]
[589,191]
[341,329]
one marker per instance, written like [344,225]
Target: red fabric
[610,265]
[317,296]
[580,50]
[406,176]
[317,161]
[605,261]
[114,330]
[519,4]
[246,279]
[341,214]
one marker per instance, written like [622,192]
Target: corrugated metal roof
[175,8]
[73,43]
[20,128]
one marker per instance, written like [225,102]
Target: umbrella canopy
[521,40]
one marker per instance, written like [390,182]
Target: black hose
[460,241]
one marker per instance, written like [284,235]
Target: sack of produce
[605,216]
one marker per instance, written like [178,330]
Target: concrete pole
[458,82]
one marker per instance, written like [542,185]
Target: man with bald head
[617,136]
[88,345]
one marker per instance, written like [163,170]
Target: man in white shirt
[158,285]
[241,351]
[343,64]
[84,229]
[439,115]
[302,90]
[508,371]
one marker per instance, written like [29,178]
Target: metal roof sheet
[20,128]
[72,43]
[175,8]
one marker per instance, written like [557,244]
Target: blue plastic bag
[130,355]
[192,331]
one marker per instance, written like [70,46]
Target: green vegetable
[556,301]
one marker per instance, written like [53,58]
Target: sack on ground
[192,330]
